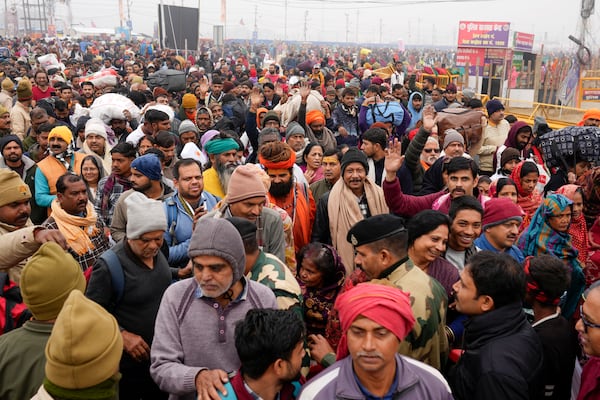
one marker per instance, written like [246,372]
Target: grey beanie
[267,134]
[451,136]
[294,128]
[187,126]
[139,207]
[218,237]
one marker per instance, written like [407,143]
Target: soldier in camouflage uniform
[380,244]
[267,269]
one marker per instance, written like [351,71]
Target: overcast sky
[358,20]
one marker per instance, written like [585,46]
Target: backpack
[467,122]
[570,142]
[117,276]
[13,312]
[171,80]
[389,111]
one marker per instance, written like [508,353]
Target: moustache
[23,216]
[369,354]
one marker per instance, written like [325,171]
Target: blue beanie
[493,105]
[149,165]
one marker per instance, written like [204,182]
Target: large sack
[102,79]
[169,79]
[467,122]
[389,111]
[289,110]
[111,106]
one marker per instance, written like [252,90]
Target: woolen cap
[43,292]
[294,128]
[510,153]
[24,90]
[499,210]
[8,84]
[493,105]
[4,141]
[218,237]
[12,187]
[144,215]
[95,126]
[271,115]
[85,346]
[354,155]
[375,228]
[62,132]
[244,184]
[149,166]
[189,101]
[451,136]
[187,126]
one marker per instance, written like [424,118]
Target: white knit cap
[144,215]
[95,126]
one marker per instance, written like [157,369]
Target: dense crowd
[287,222]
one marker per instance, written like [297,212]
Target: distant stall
[494,65]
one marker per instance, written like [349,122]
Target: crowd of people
[301,229]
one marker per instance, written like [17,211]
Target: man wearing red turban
[375,318]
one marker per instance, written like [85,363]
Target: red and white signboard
[483,34]
[523,41]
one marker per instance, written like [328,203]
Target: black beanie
[354,155]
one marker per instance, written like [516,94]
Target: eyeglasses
[431,150]
[586,324]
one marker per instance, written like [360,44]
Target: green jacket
[22,360]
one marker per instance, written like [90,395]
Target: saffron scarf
[77,230]
[529,202]
[344,212]
[577,229]
[540,238]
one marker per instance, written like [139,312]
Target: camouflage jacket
[427,342]
[274,274]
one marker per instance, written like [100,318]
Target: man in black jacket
[502,356]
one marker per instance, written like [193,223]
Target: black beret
[246,228]
[375,228]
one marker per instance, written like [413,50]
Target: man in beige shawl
[352,199]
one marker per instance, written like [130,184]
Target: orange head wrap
[260,112]
[277,155]
[386,305]
[314,116]
[591,113]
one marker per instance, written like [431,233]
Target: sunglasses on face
[431,150]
